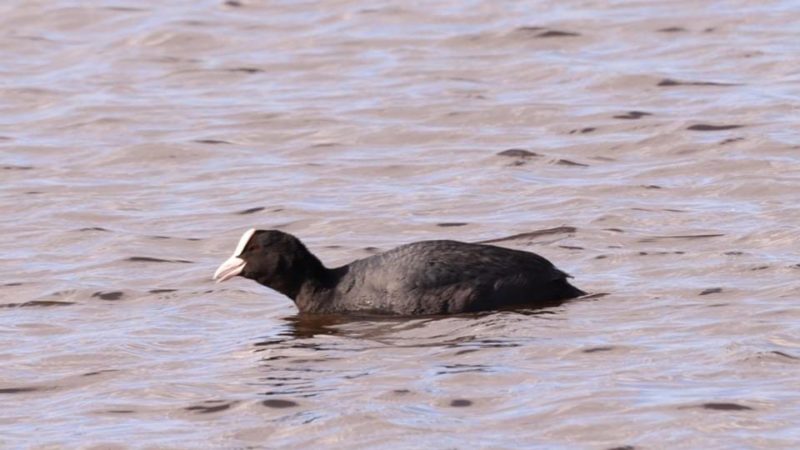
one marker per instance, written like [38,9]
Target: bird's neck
[302,277]
[316,294]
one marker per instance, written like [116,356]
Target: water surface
[138,140]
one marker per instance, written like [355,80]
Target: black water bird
[428,277]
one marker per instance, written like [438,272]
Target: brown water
[141,138]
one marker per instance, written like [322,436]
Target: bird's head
[272,258]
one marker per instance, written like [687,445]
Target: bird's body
[422,278]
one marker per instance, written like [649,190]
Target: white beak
[229,269]
[234,265]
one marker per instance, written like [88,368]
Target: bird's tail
[568,291]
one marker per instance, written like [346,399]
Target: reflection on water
[306,326]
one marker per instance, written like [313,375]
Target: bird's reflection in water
[306,326]
[309,353]
[304,330]
[374,327]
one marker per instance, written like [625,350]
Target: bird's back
[439,277]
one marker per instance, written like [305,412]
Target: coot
[428,277]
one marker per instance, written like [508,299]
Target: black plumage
[428,277]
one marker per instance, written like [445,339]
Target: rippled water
[658,141]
